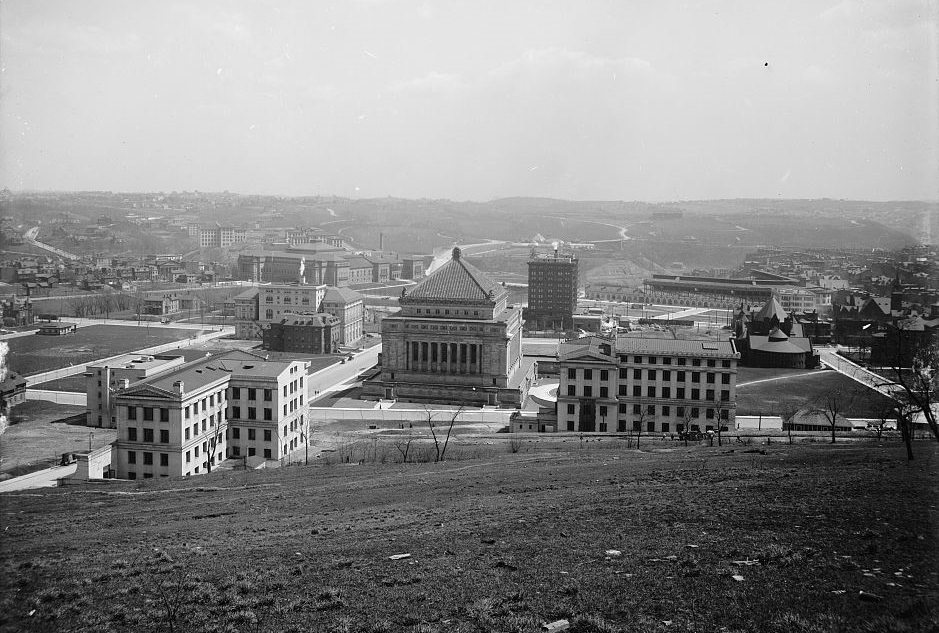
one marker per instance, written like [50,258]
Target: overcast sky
[473,100]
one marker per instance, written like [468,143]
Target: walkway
[831,358]
[46,478]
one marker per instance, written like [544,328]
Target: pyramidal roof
[457,281]
[770,309]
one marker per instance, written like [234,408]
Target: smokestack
[381,241]
[179,387]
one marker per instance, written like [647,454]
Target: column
[454,358]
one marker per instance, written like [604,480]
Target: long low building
[646,385]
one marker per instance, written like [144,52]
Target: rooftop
[341,295]
[457,280]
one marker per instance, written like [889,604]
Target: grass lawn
[799,539]
[36,443]
[804,390]
[35,354]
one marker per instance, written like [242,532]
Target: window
[148,459]
[637,426]
[709,414]
[236,393]
[164,436]
[602,411]
[604,392]
[666,375]
[132,475]
[681,362]
[285,408]
[236,412]
[711,362]
[638,359]
[268,395]
[680,393]
[623,374]
[623,390]
[267,435]
[204,404]
[695,394]
[131,457]
[650,426]
[571,390]
[188,456]
[588,391]
[186,412]
[694,412]
[667,360]
[650,409]
[251,452]
[666,392]
[725,364]
[570,409]
[680,412]
[252,413]
[251,434]
[268,413]
[666,411]
[604,374]
[709,378]
[203,426]
[725,395]
[709,394]
[267,453]
[665,426]
[269,314]
[623,407]
[131,413]
[680,376]
[725,415]
[148,435]
[695,362]
[164,415]
[212,400]
[637,409]
[236,433]
[285,391]
[236,451]
[695,376]
[651,374]
[650,391]
[132,434]
[148,414]
[637,391]
[725,379]
[652,360]
[588,374]
[252,394]
[637,374]
[164,459]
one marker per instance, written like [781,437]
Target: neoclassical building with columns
[455,341]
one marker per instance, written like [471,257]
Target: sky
[473,100]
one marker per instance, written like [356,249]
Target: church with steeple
[455,341]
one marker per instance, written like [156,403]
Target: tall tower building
[552,292]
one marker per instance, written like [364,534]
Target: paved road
[46,478]
[336,377]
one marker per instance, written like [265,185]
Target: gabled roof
[770,309]
[876,305]
[341,295]
[459,281]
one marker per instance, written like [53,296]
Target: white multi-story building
[349,307]
[187,420]
[646,385]
[275,300]
[103,380]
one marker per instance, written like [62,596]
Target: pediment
[587,358]
[149,391]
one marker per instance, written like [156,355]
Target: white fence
[413,416]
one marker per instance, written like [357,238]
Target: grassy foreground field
[793,539]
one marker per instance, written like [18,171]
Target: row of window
[148,413]
[253,393]
[680,361]
[651,427]
[652,391]
[666,411]
[651,374]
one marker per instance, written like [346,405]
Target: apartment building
[189,419]
[646,385]
[349,307]
[552,292]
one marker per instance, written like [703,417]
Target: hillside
[822,538]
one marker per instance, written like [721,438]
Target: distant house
[304,333]
[60,328]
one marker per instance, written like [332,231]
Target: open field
[805,388]
[35,354]
[822,538]
[35,442]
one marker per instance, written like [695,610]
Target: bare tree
[919,384]
[404,447]
[720,407]
[788,412]
[211,444]
[641,422]
[441,449]
[686,419]
[832,405]
[905,413]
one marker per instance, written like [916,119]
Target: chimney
[381,241]
[178,387]
[124,383]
